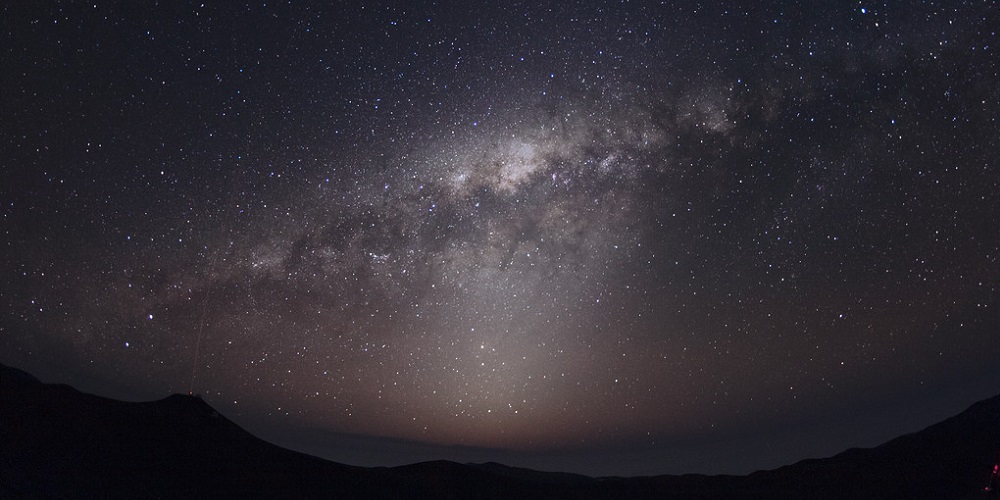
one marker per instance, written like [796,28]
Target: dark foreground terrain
[56,442]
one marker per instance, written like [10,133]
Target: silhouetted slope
[951,459]
[56,442]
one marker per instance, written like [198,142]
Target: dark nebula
[620,238]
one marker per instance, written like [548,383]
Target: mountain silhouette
[57,442]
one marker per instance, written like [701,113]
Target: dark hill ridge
[56,442]
[61,443]
[940,461]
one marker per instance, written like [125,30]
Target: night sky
[621,238]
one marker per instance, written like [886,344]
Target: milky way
[546,233]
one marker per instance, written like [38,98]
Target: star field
[551,233]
